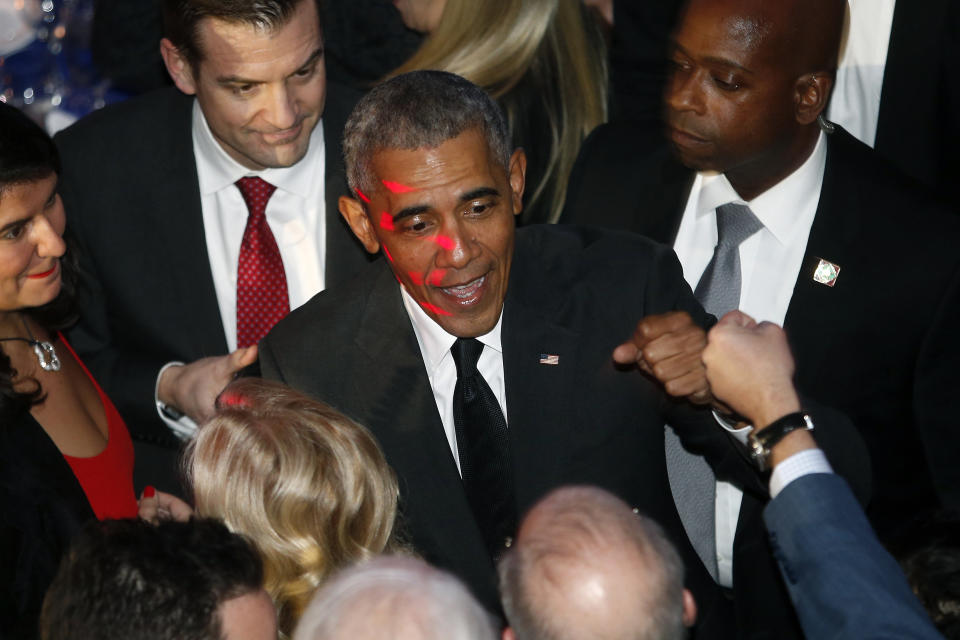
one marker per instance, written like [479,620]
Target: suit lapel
[539,403]
[179,233]
[834,233]
[402,413]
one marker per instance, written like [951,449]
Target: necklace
[46,354]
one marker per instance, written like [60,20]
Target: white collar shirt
[435,346]
[770,262]
[296,214]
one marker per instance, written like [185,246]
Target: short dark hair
[128,579]
[181,19]
[416,110]
[27,153]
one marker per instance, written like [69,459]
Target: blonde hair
[547,52]
[306,484]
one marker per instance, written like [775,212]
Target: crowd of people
[363,391]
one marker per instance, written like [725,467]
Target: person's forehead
[465,158]
[731,30]
[229,44]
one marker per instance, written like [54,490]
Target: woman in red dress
[65,454]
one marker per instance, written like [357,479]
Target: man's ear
[518,174]
[356,216]
[178,67]
[508,634]
[811,95]
[689,609]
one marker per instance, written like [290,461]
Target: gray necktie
[691,479]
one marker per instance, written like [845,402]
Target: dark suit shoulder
[125,124]
[576,252]
[894,206]
[626,177]
[558,268]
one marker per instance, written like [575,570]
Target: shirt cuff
[182,426]
[740,434]
[796,466]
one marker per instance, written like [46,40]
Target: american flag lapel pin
[826,272]
[549,358]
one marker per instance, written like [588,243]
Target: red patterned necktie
[262,298]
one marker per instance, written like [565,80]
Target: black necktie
[484,449]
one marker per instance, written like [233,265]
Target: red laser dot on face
[445,242]
[415,277]
[386,252]
[436,277]
[435,309]
[363,197]
[396,187]
[386,221]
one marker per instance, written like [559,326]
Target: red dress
[107,478]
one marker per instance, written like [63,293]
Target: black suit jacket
[130,188]
[881,345]
[42,505]
[573,293]
[919,120]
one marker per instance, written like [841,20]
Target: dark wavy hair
[27,154]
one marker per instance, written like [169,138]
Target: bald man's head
[750,78]
[585,566]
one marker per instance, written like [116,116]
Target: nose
[684,92]
[48,236]
[457,247]
[280,110]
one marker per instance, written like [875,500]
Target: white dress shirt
[435,346]
[855,104]
[296,214]
[770,261]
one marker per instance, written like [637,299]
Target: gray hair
[395,597]
[416,110]
[578,525]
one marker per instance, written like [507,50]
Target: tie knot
[255,191]
[735,223]
[466,352]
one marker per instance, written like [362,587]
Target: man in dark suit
[535,314]
[161,226]
[861,269]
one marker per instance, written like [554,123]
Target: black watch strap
[762,441]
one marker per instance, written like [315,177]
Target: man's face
[730,102]
[445,220]
[262,92]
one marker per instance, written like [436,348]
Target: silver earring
[825,125]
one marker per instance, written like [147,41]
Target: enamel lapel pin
[826,273]
[549,358]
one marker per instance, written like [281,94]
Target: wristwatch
[762,441]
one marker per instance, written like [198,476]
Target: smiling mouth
[45,274]
[283,137]
[467,293]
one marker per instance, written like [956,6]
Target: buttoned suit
[572,293]
[881,344]
[147,296]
